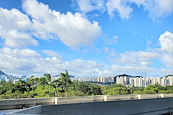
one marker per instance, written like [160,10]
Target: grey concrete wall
[79,99]
[108,98]
[20,103]
[121,97]
[168,95]
[122,107]
[23,103]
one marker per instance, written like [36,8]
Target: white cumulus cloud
[133,70]
[139,62]
[20,30]
[29,62]
[166,43]
[52,53]
[120,6]
[13,29]
[158,8]
[137,58]
[89,5]
[123,8]
[72,29]
[18,60]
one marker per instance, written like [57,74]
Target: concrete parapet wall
[24,103]
[121,97]
[168,95]
[79,99]
[148,96]
[123,107]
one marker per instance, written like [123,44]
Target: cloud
[19,53]
[90,5]
[156,8]
[133,70]
[104,73]
[109,51]
[120,6]
[166,43]
[18,60]
[137,58]
[110,40]
[18,39]
[14,27]
[19,30]
[14,19]
[72,29]
[138,62]
[168,60]
[29,62]
[52,53]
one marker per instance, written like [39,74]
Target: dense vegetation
[63,87]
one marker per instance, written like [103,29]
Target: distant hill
[125,75]
[169,75]
[71,76]
[2,73]
[3,76]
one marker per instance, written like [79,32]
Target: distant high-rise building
[169,80]
[127,80]
[156,80]
[109,79]
[122,79]
[131,81]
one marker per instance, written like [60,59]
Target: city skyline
[123,79]
[86,37]
[58,75]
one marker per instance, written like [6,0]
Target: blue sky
[89,38]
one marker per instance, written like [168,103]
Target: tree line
[36,87]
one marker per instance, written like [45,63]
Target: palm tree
[56,84]
[65,81]
[20,87]
[48,79]
[33,82]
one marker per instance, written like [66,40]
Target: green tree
[137,90]
[116,89]
[56,84]
[48,79]
[152,89]
[65,81]
[33,81]
[42,81]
